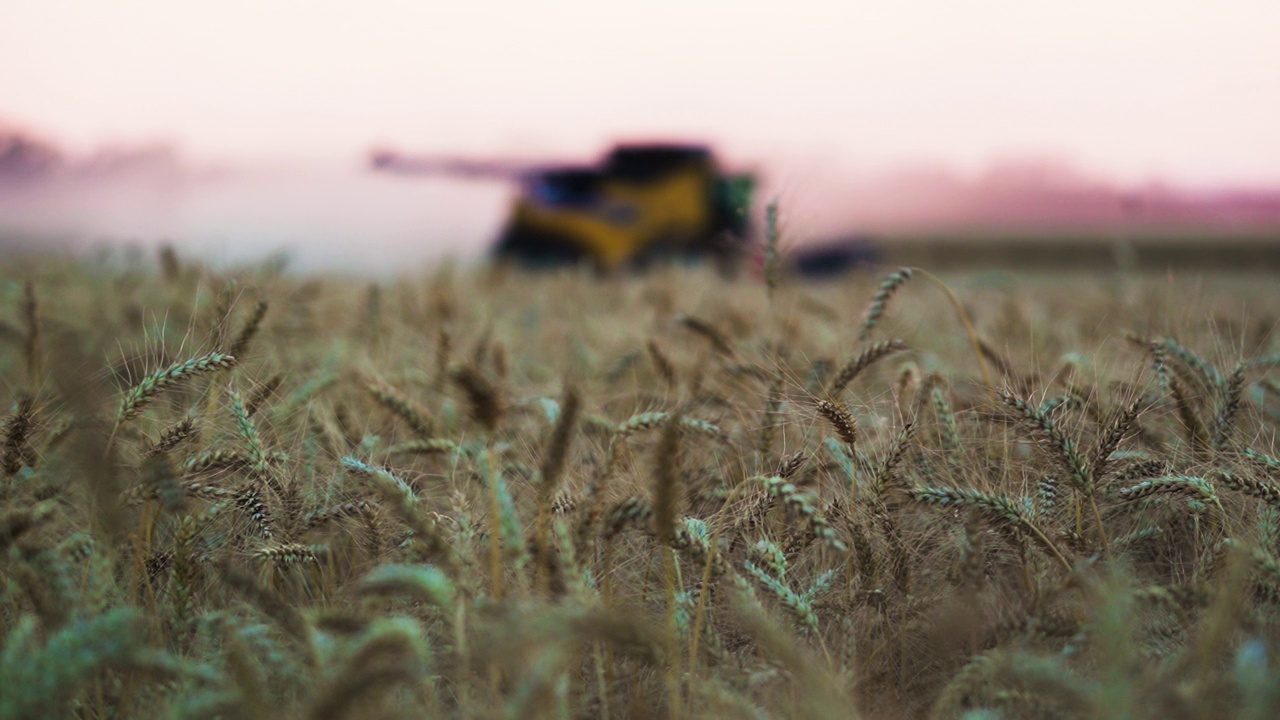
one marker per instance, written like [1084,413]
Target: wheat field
[477,493]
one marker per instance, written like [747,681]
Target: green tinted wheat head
[797,606]
[998,510]
[1052,405]
[767,554]
[1264,565]
[1137,537]
[254,449]
[653,420]
[162,481]
[1205,374]
[946,419]
[1170,484]
[1045,432]
[1138,471]
[1265,463]
[802,505]
[404,504]
[141,395]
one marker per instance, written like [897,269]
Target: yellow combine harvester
[639,204]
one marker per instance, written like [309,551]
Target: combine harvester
[639,204]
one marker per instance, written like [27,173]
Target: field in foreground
[482,494]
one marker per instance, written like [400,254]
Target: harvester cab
[639,204]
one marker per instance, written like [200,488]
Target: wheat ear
[17,435]
[997,509]
[140,395]
[862,361]
[250,328]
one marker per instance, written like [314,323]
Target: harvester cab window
[642,164]
[565,188]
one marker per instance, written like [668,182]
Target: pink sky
[1185,90]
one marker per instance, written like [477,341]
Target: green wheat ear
[140,395]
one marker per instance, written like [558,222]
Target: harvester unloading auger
[641,203]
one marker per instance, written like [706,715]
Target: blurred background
[235,130]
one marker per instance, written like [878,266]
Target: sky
[1181,91]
